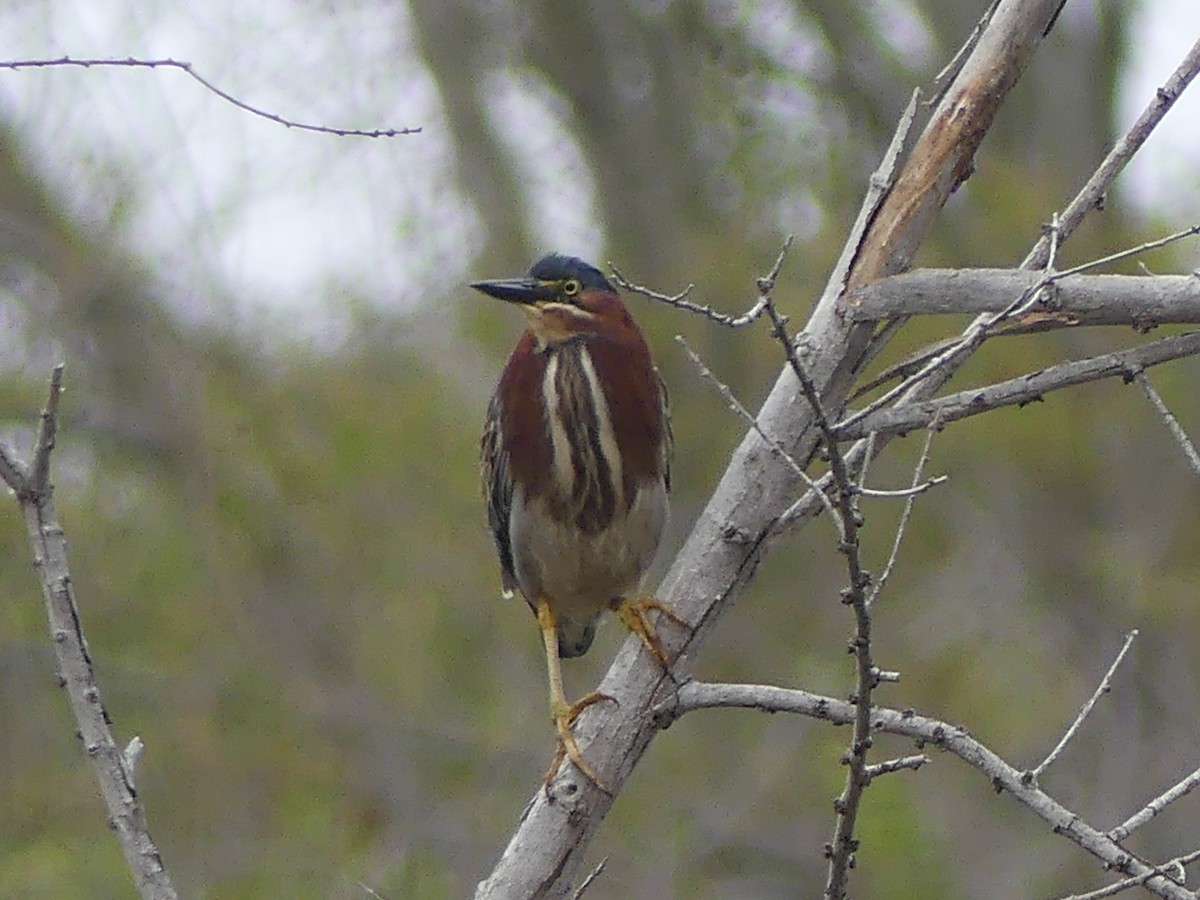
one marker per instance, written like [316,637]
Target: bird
[576,470]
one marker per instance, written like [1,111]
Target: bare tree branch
[923,379]
[1018,391]
[587,882]
[187,68]
[1174,868]
[1091,195]
[1084,711]
[896,765]
[1140,301]
[938,362]
[905,516]
[844,845]
[1173,426]
[114,770]
[735,404]
[1155,806]
[956,741]
[742,517]
[681,301]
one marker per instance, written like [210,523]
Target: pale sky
[279,215]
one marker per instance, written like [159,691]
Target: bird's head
[563,298]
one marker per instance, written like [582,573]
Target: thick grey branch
[924,730]
[1019,391]
[744,513]
[1140,301]
[926,380]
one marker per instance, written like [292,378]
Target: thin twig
[1155,244]
[1173,426]
[1155,806]
[866,463]
[730,397]
[1019,391]
[766,283]
[1052,230]
[587,882]
[904,517]
[1173,868]
[1091,195]
[895,765]
[925,731]
[1085,710]
[915,491]
[680,301]
[190,71]
[39,469]
[978,331]
[944,78]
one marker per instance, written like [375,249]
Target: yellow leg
[636,616]
[562,713]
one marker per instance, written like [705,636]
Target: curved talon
[561,713]
[636,616]
[564,721]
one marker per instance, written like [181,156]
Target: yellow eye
[570,287]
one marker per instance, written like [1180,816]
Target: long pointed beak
[525,291]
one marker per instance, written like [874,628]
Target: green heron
[576,456]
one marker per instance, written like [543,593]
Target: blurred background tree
[276,382]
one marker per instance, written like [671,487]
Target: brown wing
[498,492]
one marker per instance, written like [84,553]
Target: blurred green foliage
[289,592]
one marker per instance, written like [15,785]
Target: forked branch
[925,731]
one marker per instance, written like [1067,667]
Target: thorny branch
[947,358]
[1019,391]
[190,71]
[114,769]
[840,851]
[927,731]
[545,852]
[923,384]
[680,301]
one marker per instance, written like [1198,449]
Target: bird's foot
[564,718]
[636,616]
